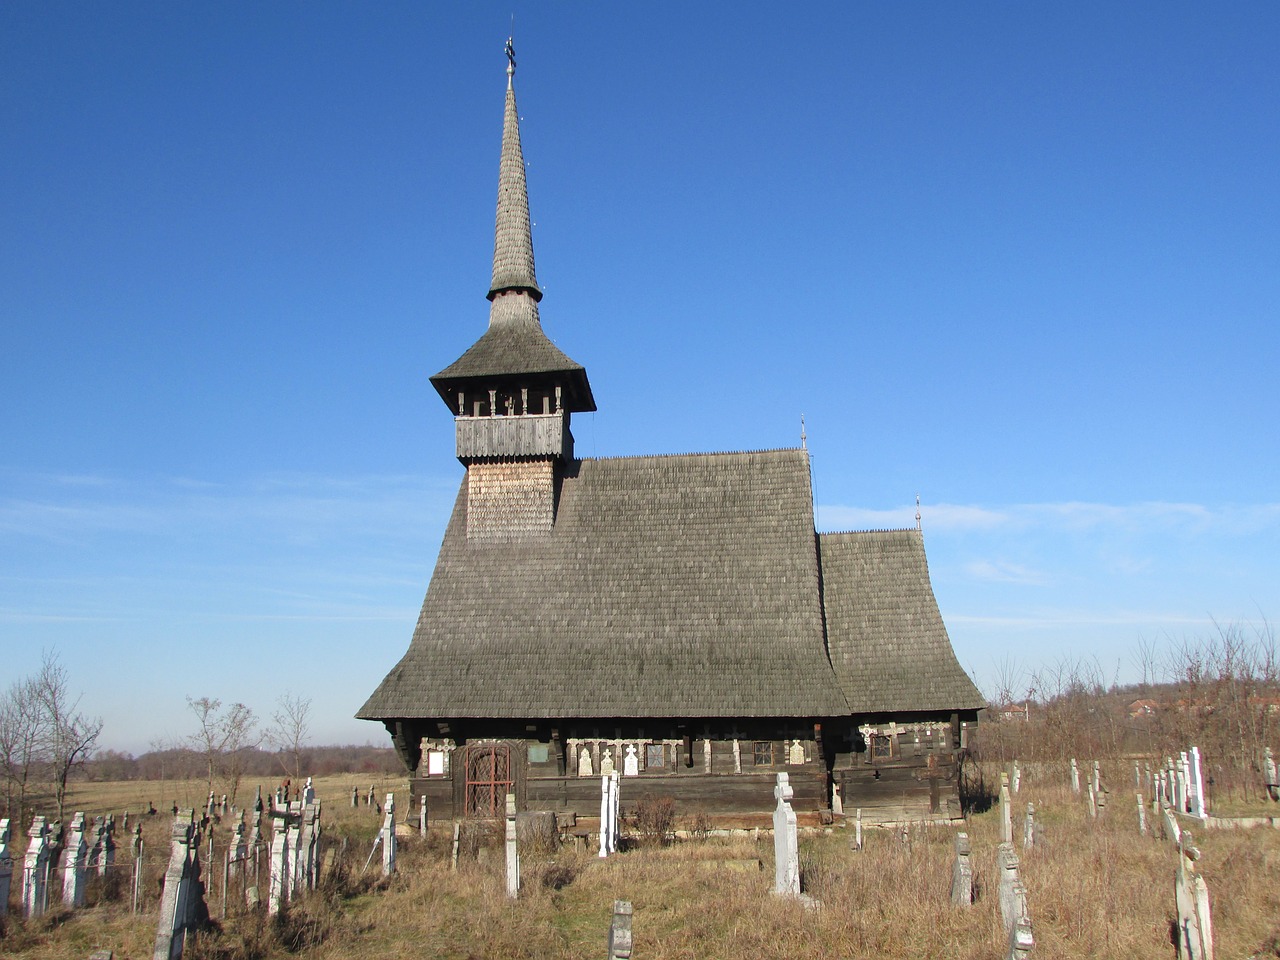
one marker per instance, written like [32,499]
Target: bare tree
[22,741]
[68,735]
[222,739]
[290,729]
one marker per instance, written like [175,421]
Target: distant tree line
[256,763]
[1220,693]
[47,742]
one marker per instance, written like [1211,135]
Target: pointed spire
[513,240]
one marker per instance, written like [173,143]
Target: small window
[881,747]
[762,753]
[655,756]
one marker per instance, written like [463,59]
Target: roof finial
[511,49]
[917,511]
[804,438]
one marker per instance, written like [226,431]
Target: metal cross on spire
[511,56]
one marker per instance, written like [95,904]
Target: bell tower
[513,392]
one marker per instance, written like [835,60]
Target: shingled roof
[885,635]
[513,345]
[676,586]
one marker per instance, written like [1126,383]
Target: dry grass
[1096,888]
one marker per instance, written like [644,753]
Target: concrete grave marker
[1006,815]
[182,904]
[1013,904]
[606,763]
[1195,923]
[584,763]
[281,864]
[294,874]
[355,797]
[1075,776]
[73,863]
[962,873]
[236,849]
[6,867]
[620,931]
[1269,779]
[103,852]
[609,806]
[308,860]
[631,762]
[1142,817]
[35,871]
[389,837]
[1171,828]
[1199,807]
[786,850]
[513,852]
[308,792]
[1029,828]
[795,756]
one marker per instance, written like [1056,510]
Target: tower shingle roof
[512,238]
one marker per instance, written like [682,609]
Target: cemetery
[1040,872]
[649,711]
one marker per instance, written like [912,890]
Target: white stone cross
[786,853]
[513,852]
[73,864]
[35,871]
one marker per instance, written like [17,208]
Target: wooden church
[674,618]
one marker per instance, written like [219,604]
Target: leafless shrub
[699,824]
[655,819]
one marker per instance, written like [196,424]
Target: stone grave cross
[35,871]
[786,852]
[74,863]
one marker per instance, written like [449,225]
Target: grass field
[1096,888]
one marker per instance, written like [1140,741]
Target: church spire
[512,241]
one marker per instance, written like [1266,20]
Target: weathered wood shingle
[887,641]
[678,586]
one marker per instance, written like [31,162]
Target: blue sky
[1022,260]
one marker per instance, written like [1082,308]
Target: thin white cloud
[1050,621]
[999,571]
[1067,516]
[940,516]
[301,508]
